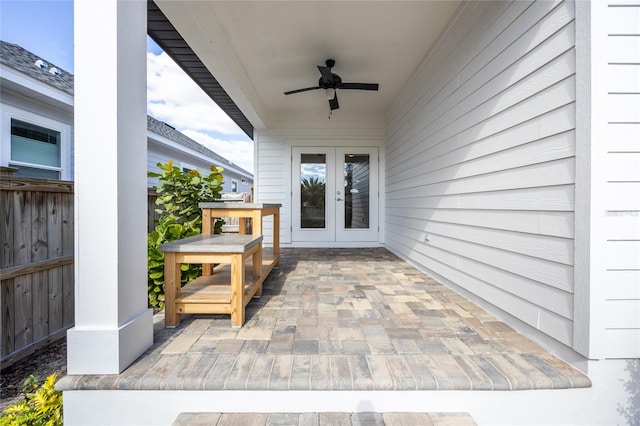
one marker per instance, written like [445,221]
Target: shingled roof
[22,60]
[163,129]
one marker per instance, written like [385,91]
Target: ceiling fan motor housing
[333,83]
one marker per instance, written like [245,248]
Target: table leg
[257,269]
[206,222]
[171,289]
[237,290]
[207,268]
[256,223]
[276,237]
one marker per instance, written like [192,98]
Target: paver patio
[344,319]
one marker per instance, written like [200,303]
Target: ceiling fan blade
[333,103]
[290,92]
[326,73]
[358,86]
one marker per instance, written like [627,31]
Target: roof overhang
[257,50]
[164,33]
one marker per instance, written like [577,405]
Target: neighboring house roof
[163,129]
[27,63]
[22,60]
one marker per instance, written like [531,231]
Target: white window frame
[185,165]
[9,113]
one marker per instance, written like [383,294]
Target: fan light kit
[331,82]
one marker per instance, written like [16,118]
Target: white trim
[590,254]
[35,85]
[9,113]
[582,274]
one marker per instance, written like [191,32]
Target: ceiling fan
[330,82]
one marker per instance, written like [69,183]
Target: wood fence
[152,216]
[36,265]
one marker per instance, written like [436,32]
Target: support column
[113,325]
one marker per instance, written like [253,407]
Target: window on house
[186,167]
[234,186]
[35,150]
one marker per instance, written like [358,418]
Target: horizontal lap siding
[622,167]
[271,179]
[480,161]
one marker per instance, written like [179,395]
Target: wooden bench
[227,291]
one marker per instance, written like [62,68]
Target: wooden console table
[255,211]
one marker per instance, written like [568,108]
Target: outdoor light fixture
[331,93]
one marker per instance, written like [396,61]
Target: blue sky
[42,27]
[45,27]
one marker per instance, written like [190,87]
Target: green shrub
[42,405]
[178,196]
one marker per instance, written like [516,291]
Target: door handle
[338,199]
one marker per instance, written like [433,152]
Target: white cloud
[239,152]
[174,98]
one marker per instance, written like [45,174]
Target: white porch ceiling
[259,49]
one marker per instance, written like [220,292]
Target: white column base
[94,351]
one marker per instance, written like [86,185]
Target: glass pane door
[312,188]
[357,194]
[356,191]
[313,191]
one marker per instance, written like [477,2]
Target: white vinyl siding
[272,171]
[480,161]
[622,219]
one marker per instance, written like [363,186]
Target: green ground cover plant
[42,405]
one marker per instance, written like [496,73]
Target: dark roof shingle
[20,59]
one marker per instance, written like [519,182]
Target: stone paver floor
[344,319]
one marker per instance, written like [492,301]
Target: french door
[334,194]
